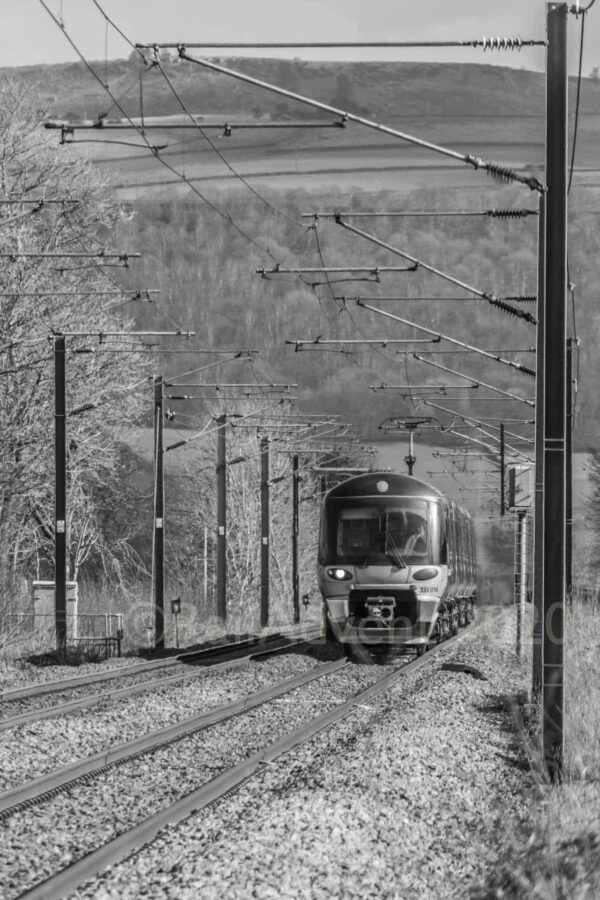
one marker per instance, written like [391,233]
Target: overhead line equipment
[504,173]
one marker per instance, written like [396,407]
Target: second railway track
[180,777]
[148,676]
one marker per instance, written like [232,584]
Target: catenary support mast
[60,519]
[538,537]
[158,573]
[221,519]
[555,334]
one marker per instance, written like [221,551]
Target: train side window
[443,540]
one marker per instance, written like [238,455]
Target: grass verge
[552,850]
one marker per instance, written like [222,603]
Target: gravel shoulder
[404,798]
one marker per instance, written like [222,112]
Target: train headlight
[425,574]
[339,574]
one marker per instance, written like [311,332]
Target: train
[397,563]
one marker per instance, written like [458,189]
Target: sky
[28,35]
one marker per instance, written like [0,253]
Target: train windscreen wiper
[391,549]
[396,559]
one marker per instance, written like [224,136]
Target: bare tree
[42,295]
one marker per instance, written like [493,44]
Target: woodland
[217,292]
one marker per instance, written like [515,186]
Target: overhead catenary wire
[523,299]
[43,201]
[222,156]
[501,350]
[344,305]
[491,299]
[204,433]
[59,254]
[502,172]
[84,292]
[10,220]
[482,399]
[183,178]
[329,283]
[226,127]
[325,270]
[512,451]
[156,62]
[380,342]
[491,387]
[577,103]
[484,43]
[578,12]
[81,239]
[472,419]
[409,213]
[420,387]
[525,370]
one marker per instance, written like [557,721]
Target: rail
[67,880]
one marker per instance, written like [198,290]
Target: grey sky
[28,36]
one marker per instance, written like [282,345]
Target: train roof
[398,485]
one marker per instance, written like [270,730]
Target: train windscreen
[370,531]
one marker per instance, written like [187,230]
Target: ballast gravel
[17,674]
[122,679]
[122,797]
[401,799]
[55,742]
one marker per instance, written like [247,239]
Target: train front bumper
[393,616]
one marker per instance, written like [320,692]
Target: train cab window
[407,533]
[357,531]
[396,531]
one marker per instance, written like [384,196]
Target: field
[350,158]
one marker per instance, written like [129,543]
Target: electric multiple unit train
[396,562]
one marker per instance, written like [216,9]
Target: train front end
[382,560]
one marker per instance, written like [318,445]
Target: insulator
[510,213]
[503,173]
[512,310]
[525,298]
[502,43]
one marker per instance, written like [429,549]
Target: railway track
[236,653]
[224,782]
[49,785]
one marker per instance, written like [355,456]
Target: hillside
[395,89]
[206,270]
[204,255]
